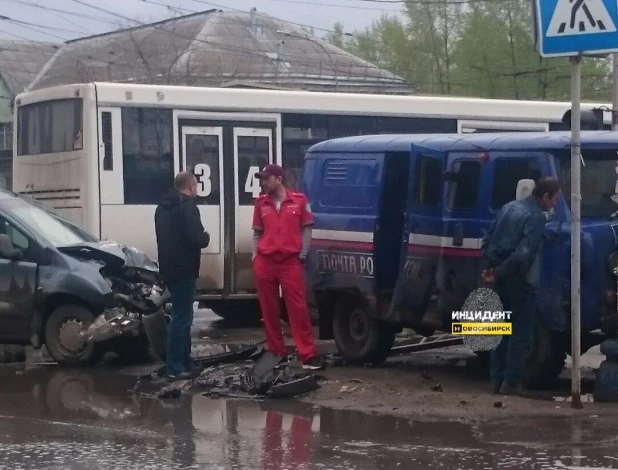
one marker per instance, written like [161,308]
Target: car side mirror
[7,250]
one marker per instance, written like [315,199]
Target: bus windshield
[598,182]
[49,226]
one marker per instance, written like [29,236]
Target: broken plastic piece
[294,388]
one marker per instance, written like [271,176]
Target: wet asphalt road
[53,418]
[56,418]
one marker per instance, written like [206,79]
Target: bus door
[225,156]
[203,156]
[253,150]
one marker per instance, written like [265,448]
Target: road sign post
[615,91]
[575,231]
[567,28]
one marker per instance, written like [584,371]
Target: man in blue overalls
[512,260]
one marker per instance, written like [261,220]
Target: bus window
[148,160]
[50,127]
[204,150]
[301,131]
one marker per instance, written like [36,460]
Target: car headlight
[612,262]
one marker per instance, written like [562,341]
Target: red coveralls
[277,263]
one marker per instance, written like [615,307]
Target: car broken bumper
[111,324]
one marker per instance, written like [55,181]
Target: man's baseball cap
[271,170]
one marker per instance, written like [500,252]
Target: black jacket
[180,238]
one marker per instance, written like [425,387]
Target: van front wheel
[361,339]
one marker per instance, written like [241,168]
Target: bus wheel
[360,338]
[239,313]
[545,359]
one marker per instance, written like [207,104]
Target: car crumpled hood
[112,254]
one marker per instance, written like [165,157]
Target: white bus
[105,153]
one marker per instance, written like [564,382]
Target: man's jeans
[508,360]
[179,335]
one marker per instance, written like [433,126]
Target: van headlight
[612,262]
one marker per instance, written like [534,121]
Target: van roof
[553,140]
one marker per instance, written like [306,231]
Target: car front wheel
[63,341]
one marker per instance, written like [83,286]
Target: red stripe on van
[445,251]
[415,249]
[342,244]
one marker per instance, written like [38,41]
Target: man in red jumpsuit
[282,223]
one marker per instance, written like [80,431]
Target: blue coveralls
[512,247]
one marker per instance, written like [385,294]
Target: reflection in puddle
[54,418]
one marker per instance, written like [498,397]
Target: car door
[422,235]
[17,286]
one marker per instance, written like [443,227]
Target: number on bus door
[203,175]
[252,184]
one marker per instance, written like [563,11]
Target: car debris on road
[241,372]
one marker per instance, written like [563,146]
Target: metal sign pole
[615,92]
[615,115]
[575,230]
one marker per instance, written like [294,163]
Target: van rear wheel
[360,338]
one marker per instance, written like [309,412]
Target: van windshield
[598,182]
[48,226]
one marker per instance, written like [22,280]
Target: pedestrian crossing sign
[570,27]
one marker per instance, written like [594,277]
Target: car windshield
[49,225]
[598,182]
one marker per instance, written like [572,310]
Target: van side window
[508,172]
[19,240]
[349,183]
[428,181]
[463,192]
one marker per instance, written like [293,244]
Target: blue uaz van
[399,221]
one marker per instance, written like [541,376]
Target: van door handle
[458,235]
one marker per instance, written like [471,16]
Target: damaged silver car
[79,296]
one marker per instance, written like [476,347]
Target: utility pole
[575,231]
[615,91]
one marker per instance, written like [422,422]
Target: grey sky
[73,18]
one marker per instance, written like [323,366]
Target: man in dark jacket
[512,257]
[180,239]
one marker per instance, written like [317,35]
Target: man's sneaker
[315,363]
[188,375]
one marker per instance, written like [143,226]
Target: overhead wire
[229,50]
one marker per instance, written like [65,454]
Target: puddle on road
[53,418]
